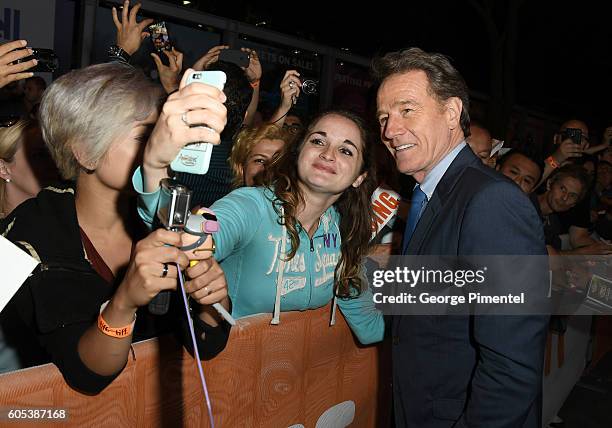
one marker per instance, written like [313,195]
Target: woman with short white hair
[94,273]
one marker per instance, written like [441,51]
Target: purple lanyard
[195,347]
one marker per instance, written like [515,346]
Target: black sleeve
[63,346]
[59,306]
[209,340]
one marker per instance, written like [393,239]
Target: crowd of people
[88,155]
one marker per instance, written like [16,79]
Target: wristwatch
[116,53]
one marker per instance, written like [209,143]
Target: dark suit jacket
[478,370]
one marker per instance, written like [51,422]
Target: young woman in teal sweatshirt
[298,241]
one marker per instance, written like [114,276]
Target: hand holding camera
[10,67]
[571,145]
[130,32]
[169,74]
[253,69]
[569,149]
[290,88]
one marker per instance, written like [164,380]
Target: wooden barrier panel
[268,376]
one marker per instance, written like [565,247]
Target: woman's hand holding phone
[190,105]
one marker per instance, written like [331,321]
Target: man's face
[522,170]
[293,124]
[414,126]
[563,194]
[481,143]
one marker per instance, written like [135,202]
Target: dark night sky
[564,52]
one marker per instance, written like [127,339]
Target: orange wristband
[118,332]
[254,84]
[552,162]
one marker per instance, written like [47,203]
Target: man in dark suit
[460,370]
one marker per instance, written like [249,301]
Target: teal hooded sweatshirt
[250,250]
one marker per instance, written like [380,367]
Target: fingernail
[35,61]
[24,42]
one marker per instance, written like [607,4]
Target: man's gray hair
[444,80]
[88,109]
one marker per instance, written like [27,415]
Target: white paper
[15,266]
[497,146]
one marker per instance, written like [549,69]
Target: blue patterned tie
[416,208]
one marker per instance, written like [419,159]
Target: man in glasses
[293,123]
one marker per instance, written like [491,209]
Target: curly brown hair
[354,207]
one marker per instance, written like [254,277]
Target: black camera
[47,60]
[573,134]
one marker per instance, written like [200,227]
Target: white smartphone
[194,158]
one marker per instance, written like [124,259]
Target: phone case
[194,158]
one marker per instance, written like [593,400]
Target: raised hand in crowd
[253,70]
[169,75]
[209,57]
[130,32]
[194,104]
[290,92]
[567,149]
[9,53]
[253,73]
